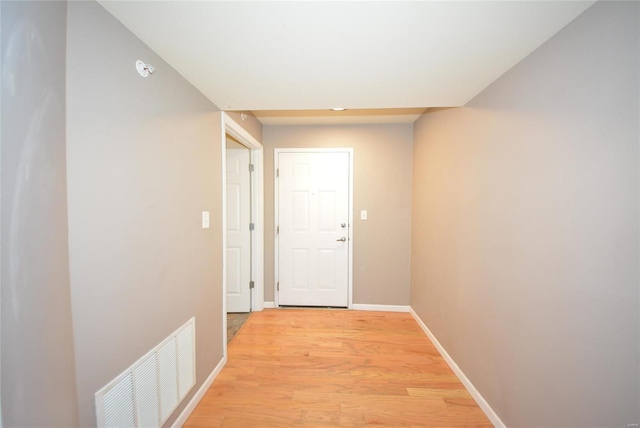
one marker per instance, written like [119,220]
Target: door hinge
[278,173]
[251,285]
[278,287]
[251,167]
[252,226]
[278,230]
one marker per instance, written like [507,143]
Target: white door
[238,234]
[313,228]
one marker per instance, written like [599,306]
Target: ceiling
[289,62]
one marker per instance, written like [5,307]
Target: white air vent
[148,392]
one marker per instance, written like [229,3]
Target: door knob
[341,239]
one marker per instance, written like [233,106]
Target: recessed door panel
[234,211]
[234,271]
[300,211]
[327,221]
[300,269]
[327,265]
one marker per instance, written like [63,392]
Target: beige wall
[525,229]
[382,185]
[38,377]
[250,123]
[144,161]
[233,144]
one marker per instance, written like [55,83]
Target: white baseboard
[382,308]
[482,403]
[182,418]
[361,307]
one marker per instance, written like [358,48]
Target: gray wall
[144,160]
[525,229]
[382,185]
[38,379]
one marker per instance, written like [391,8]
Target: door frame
[276,206]
[231,127]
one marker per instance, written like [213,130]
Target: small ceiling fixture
[338,109]
[144,70]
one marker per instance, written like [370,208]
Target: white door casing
[231,127]
[313,223]
[238,234]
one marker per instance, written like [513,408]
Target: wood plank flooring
[327,368]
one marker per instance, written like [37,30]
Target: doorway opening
[243,226]
[239,226]
[239,230]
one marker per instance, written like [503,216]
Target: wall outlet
[205,219]
[363,214]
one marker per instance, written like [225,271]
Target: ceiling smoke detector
[144,70]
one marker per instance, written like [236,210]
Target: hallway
[501,208]
[334,368]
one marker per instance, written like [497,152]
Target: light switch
[363,214]
[205,219]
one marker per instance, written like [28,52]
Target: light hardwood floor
[325,368]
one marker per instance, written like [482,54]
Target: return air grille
[148,392]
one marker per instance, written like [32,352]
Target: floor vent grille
[148,392]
